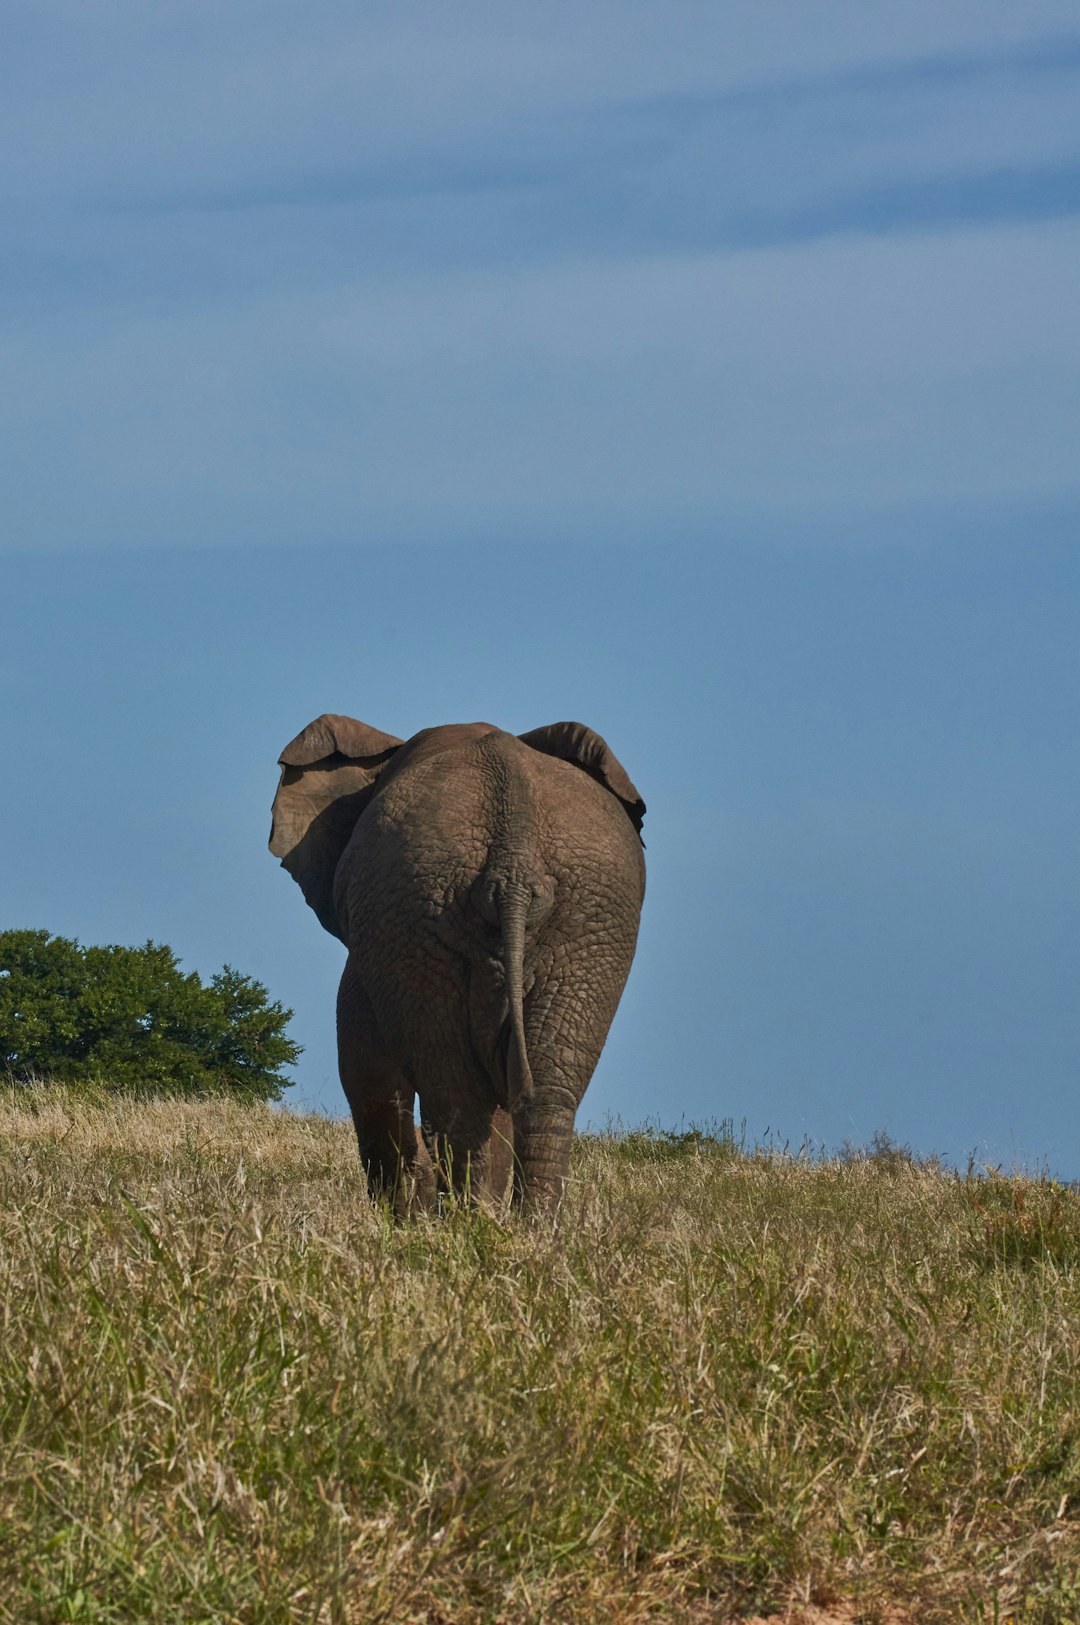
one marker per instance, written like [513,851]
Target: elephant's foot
[407,1191]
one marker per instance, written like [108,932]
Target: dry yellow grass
[730,1384]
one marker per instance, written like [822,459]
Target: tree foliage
[130,1018]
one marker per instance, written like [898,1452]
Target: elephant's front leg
[381,1101]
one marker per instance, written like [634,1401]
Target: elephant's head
[330,772]
[328,775]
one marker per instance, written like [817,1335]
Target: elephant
[488,888]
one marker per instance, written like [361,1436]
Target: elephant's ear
[578,744]
[328,775]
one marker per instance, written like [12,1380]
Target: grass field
[730,1384]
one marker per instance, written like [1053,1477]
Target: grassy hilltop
[731,1384]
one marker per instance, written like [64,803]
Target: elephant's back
[421,891]
[422,841]
[472,798]
[578,820]
[475,791]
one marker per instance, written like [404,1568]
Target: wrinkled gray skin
[488,889]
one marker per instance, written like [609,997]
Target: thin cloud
[962,138]
[378,277]
[402,182]
[1053,57]
[662,397]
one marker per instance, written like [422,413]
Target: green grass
[230,1390]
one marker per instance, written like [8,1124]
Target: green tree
[130,1018]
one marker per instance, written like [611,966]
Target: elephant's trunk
[514,900]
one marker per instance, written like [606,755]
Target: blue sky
[710,374]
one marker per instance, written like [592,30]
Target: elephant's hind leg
[381,1101]
[543,1134]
